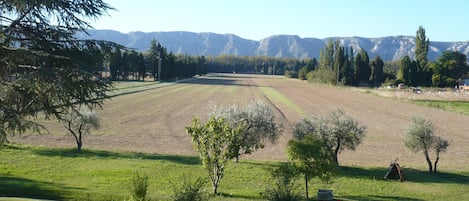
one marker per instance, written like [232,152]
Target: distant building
[464,85]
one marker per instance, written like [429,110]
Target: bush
[190,190]
[283,190]
[291,74]
[322,76]
[302,73]
[139,186]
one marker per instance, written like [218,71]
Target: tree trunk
[79,144]
[336,153]
[80,138]
[237,159]
[429,162]
[436,161]
[215,189]
[77,138]
[306,183]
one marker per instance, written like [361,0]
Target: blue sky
[443,20]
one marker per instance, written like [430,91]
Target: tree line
[156,63]
[339,65]
[127,64]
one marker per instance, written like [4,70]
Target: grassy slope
[37,172]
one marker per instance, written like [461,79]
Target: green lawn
[453,106]
[63,174]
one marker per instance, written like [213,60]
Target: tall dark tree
[422,44]
[125,66]
[407,71]
[152,58]
[339,62]
[449,68]
[43,66]
[377,74]
[115,64]
[362,66]
[141,67]
[326,56]
[311,64]
[350,67]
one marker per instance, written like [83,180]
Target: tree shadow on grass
[240,196]
[412,175]
[68,152]
[231,81]
[26,188]
[377,198]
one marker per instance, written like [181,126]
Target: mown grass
[119,85]
[452,106]
[275,96]
[64,174]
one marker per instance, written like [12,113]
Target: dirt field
[153,121]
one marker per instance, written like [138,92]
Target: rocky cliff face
[212,44]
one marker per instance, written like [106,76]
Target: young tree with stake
[212,141]
[79,123]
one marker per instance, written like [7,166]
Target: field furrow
[154,121]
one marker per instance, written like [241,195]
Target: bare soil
[154,121]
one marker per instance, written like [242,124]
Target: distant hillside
[180,42]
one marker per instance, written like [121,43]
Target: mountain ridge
[291,46]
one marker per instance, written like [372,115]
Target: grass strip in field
[123,88]
[274,95]
[452,106]
[64,174]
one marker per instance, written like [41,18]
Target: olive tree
[212,140]
[44,67]
[338,129]
[257,124]
[420,136]
[79,123]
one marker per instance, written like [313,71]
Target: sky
[443,20]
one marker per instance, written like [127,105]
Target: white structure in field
[464,85]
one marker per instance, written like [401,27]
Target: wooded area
[337,65]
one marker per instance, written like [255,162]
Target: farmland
[152,121]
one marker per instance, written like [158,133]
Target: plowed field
[153,121]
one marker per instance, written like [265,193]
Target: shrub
[139,186]
[190,190]
[291,74]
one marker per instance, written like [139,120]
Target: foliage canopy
[420,136]
[338,129]
[257,123]
[43,66]
[212,141]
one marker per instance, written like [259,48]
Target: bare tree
[79,123]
